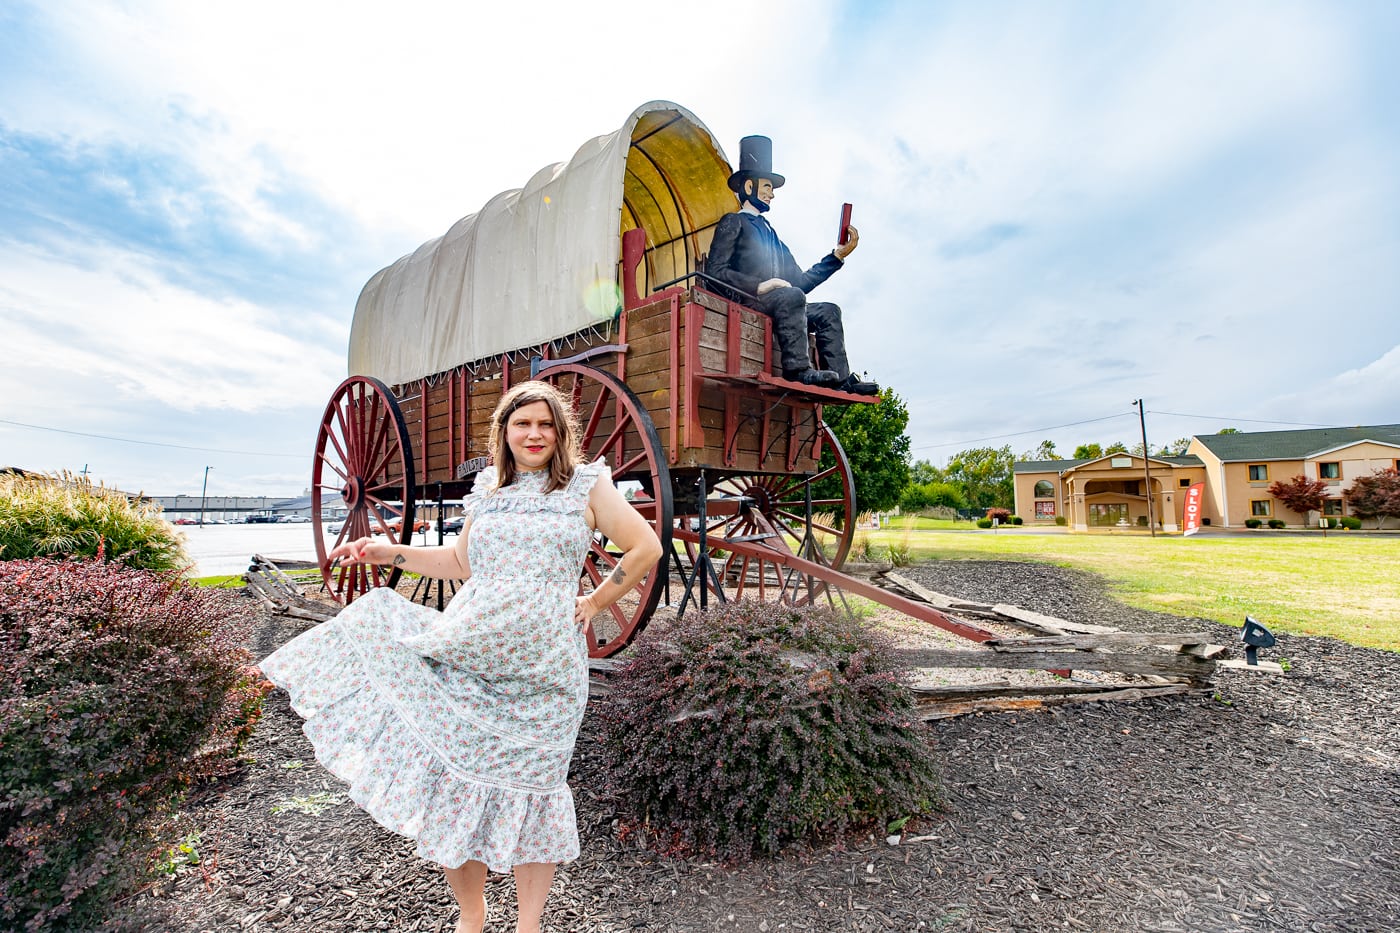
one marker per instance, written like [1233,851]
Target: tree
[984,473]
[1176,448]
[923,472]
[921,496]
[1117,447]
[1376,496]
[1088,452]
[1300,494]
[877,448]
[1228,431]
[1045,451]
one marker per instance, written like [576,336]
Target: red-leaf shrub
[998,515]
[117,683]
[737,731]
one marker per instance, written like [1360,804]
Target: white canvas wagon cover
[542,262]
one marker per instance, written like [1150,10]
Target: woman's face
[530,435]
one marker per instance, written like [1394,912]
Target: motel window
[1329,470]
[1259,508]
[1332,507]
[1044,489]
[1259,473]
[1184,483]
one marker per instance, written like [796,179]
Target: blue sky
[1063,207]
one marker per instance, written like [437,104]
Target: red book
[844,233]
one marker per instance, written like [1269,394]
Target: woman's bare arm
[624,526]
[445,561]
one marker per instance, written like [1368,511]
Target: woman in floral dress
[456,728]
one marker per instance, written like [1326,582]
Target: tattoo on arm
[618,576]
[399,560]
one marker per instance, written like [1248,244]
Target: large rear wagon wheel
[615,427]
[363,454]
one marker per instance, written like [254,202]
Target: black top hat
[755,161]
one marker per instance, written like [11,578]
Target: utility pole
[1146,469]
[204,496]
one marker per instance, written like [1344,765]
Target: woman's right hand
[361,551]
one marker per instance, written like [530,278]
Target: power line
[132,440]
[1296,424]
[997,437]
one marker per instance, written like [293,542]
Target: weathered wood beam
[1090,642]
[1134,663]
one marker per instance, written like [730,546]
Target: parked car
[453,526]
[260,519]
[335,526]
[296,519]
[396,523]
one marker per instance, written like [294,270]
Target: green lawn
[1342,586]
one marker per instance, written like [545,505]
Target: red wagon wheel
[616,427]
[769,512]
[363,454]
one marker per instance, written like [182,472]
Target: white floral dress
[456,728]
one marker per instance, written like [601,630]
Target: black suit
[746,252]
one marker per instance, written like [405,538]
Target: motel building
[1235,470]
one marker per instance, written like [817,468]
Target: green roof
[1294,445]
[1061,466]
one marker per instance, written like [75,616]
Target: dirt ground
[1268,804]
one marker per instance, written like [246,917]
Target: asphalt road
[221,549]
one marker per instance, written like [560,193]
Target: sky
[1063,207]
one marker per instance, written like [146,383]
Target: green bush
[66,515]
[1277,523]
[118,689]
[1061,520]
[984,523]
[1350,522]
[1142,521]
[1252,523]
[1014,520]
[737,731]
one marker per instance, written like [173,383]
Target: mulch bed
[1268,804]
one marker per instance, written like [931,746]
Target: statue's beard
[758,205]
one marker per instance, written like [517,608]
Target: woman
[456,728]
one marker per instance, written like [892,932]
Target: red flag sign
[1193,508]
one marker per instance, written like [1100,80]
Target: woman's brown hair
[566,456]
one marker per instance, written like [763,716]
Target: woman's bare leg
[532,881]
[468,884]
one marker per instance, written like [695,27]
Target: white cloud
[107,317]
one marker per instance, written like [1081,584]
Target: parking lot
[221,549]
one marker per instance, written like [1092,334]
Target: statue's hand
[845,249]
[766,287]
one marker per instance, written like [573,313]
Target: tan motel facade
[1236,470]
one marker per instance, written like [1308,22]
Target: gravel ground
[1269,804]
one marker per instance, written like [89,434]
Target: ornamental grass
[68,516]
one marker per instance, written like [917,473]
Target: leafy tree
[1117,447]
[984,473]
[1228,431]
[1376,496]
[1044,451]
[923,472]
[1176,448]
[1088,452]
[930,495]
[877,447]
[1300,494]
